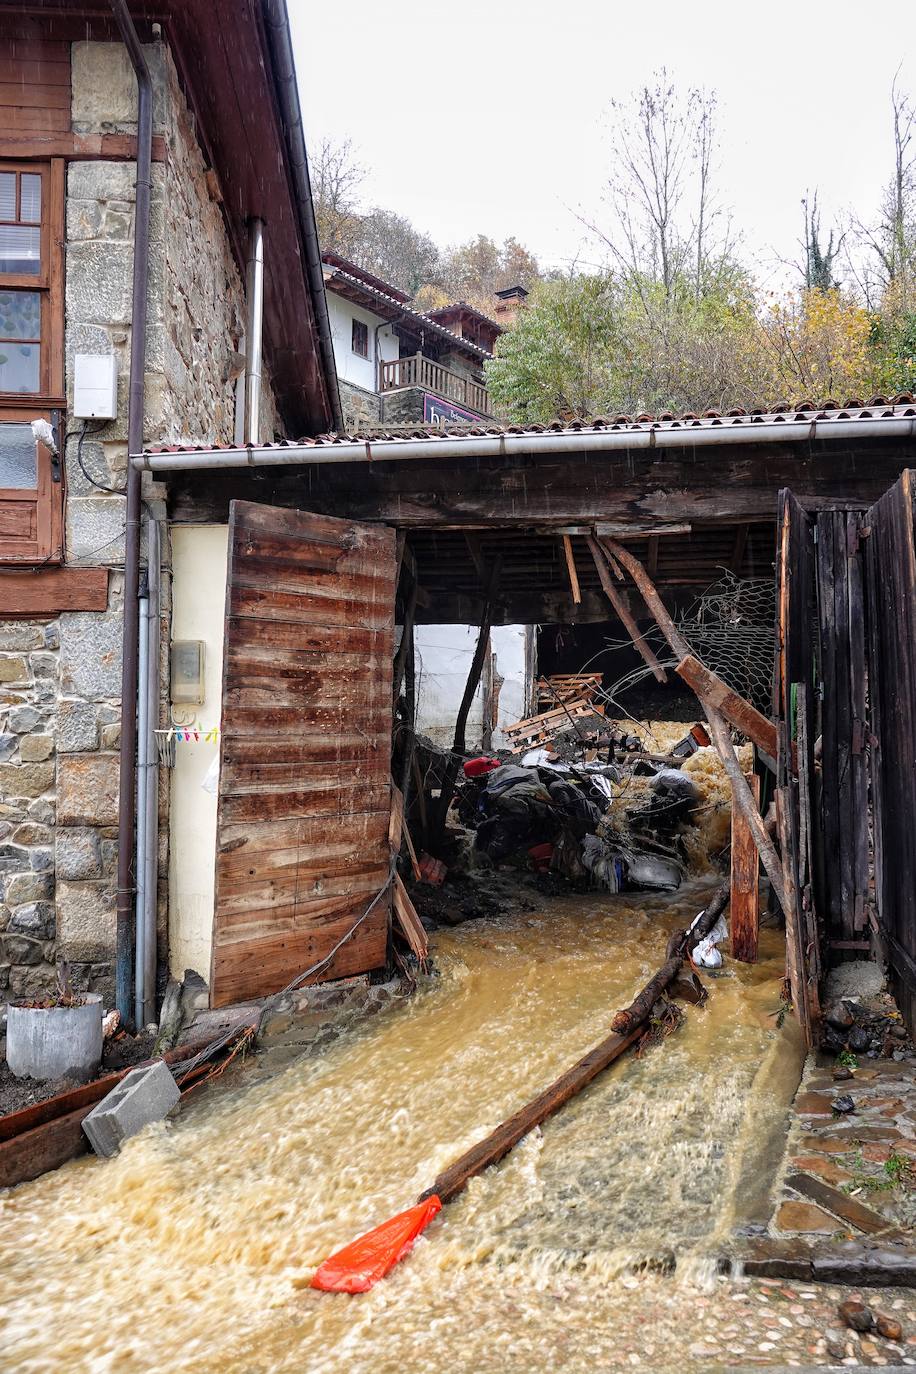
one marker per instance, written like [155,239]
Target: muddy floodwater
[193,1249]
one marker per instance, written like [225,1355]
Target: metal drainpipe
[253,339]
[143,705]
[127,777]
[146,932]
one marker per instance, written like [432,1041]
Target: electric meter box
[187,672]
[95,386]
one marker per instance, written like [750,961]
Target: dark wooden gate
[844,777]
[890,553]
[304,791]
[794,686]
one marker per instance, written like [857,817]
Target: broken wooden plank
[741,796]
[745,884]
[571,570]
[736,710]
[623,613]
[491,1150]
[405,914]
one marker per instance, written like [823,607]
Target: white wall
[350,366]
[199,561]
[444,654]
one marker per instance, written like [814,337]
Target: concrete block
[90,642]
[77,727]
[87,786]
[146,1094]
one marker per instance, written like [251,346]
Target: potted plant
[59,1036]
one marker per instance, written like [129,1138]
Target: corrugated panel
[306,735]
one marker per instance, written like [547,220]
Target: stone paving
[851,1158]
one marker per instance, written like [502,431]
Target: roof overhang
[898,422]
[234,62]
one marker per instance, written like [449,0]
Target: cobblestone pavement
[757,1323]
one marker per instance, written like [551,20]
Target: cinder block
[146,1094]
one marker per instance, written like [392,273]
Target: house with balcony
[397,365]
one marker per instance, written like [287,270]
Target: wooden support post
[738,712]
[458,745]
[406,645]
[571,570]
[745,889]
[622,610]
[741,795]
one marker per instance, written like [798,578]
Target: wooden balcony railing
[430,376]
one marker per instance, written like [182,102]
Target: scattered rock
[844,1104]
[859,1039]
[836,1343]
[856,1315]
[888,1327]
[842,1074]
[839,1016]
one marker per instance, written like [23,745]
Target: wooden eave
[223,61]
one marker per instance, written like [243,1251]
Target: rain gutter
[281,50]
[135,415]
[510,445]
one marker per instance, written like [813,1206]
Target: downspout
[143,705]
[254,335]
[149,795]
[135,415]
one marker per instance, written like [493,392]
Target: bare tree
[336,177]
[660,190]
[888,245]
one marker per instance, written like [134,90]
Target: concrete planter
[55,1042]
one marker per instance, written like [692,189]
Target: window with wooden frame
[360,338]
[31,358]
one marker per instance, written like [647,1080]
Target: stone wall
[361,408]
[60,679]
[403,407]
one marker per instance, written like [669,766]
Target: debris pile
[581,797]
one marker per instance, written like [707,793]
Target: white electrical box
[187,672]
[95,386]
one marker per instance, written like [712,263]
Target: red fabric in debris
[474,768]
[359,1266]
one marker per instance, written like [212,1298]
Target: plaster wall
[199,564]
[362,372]
[444,654]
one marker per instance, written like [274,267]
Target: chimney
[508,303]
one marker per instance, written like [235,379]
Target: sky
[492,116]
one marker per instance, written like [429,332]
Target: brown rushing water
[193,1249]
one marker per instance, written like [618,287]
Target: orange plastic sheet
[359,1266]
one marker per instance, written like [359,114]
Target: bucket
[55,1042]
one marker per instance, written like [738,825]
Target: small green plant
[896,1172]
[847,1059]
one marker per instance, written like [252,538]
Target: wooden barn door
[304,789]
[890,550]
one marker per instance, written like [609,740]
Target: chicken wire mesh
[730,628]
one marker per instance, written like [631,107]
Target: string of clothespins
[190,734]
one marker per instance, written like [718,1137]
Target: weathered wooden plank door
[841,626]
[794,683]
[890,551]
[304,789]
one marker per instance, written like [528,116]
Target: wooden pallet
[567,687]
[537,730]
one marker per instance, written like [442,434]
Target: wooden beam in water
[738,712]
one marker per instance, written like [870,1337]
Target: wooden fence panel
[891,598]
[841,628]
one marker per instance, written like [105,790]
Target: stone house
[400,366]
[230,255]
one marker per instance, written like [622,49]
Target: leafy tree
[389,245]
[476,270]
